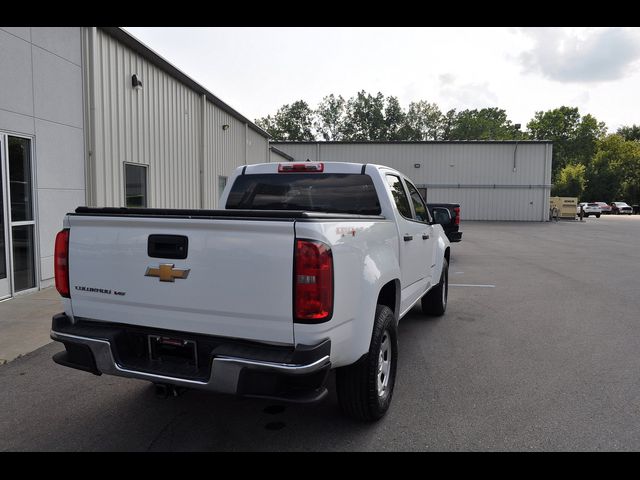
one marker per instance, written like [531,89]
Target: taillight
[457,220]
[300,167]
[61,262]
[313,282]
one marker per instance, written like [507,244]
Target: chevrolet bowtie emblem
[166,272]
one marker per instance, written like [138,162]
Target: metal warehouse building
[91,116]
[492,180]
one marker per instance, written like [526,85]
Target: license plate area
[173,351]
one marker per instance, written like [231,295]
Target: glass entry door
[5,287]
[17,240]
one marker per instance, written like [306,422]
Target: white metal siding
[161,126]
[479,176]
[225,150]
[257,148]
[157,126]
[275,157]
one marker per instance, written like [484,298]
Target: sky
[256,70]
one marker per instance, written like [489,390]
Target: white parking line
[469,285]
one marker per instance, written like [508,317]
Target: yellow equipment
[567,206]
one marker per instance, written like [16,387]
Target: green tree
[574,137]
[484,124]
[394,120]
[424,121]
[330,117]
[614,172]
[365,117]
[630,132]
[571,181]
[448,121]
[588,131]
[291,122]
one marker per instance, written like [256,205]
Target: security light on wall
[225,127]
[136,83]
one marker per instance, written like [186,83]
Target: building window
[135,178]
[222,182]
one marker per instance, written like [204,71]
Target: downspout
[203,143]
[90,172]
[548,158]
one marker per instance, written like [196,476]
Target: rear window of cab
[326,192]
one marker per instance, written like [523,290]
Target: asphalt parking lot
[539,350]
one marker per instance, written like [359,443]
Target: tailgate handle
[168,246]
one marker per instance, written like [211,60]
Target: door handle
[425,236]
[408,238]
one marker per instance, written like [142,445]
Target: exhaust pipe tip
[165,390]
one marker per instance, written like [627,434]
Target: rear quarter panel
[365,258]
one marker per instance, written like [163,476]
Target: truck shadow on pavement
[51,408]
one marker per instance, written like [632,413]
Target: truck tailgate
[239,282]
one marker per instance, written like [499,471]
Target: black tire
[357,384]
[434,302]
[597,215]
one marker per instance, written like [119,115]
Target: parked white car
[590,209]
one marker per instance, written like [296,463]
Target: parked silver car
[621,208]
[606,208]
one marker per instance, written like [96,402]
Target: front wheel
[365,388]
[434,301]
[597,215]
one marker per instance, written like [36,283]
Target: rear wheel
[597,215]
[434,301]
[365,388]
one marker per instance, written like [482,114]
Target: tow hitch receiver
[164,390]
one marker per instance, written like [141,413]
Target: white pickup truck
[309,267]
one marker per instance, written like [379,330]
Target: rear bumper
[228,366]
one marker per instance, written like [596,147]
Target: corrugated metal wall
[479,176]
[225,150]
[257,147]
[160,126]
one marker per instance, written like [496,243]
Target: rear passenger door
[422,218]
[412,261]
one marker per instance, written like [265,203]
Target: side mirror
[441,216]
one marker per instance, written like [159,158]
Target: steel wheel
[384,364]
[445,288]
